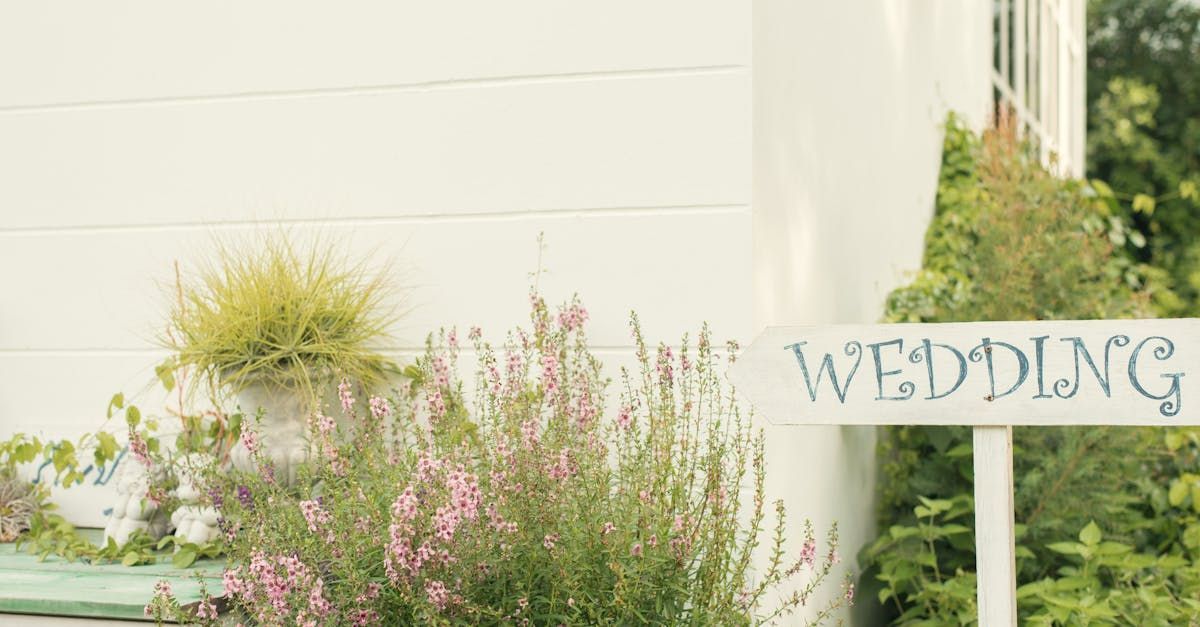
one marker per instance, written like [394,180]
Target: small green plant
[51,534]
[20,501]
[277,312]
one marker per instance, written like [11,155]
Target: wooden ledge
[56,587]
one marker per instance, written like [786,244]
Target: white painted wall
[636,135]
[447,134]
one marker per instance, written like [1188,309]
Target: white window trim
[1058,121]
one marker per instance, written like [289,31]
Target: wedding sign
[1112,372]
[988,374]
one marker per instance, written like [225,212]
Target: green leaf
[106,447]
[117,402]
[1143,204]
[1174,440]
[133,416]
[1177,493]
[130,559]
[184,558]
[166,373]
[1066,548]
[1102,188]
[1090,535]
[1188,190]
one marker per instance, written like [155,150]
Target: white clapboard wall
[445,136]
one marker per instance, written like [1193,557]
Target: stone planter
[284,414]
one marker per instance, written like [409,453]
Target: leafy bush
[1143,135]
[531,507]
[1009,241]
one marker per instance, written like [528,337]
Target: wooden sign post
[991,375]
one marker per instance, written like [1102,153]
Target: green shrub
[1010,241]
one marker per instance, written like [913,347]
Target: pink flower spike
[346,395]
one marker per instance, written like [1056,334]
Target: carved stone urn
[283,414]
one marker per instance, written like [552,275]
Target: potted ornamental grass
[273,326]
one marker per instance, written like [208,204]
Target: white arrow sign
[1111,372]
[988,374]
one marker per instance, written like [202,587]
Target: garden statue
[133,511]
[194,522]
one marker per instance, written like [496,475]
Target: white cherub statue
[132,511]
[193,522]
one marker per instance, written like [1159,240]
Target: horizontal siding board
[140,49]
[107,291]
[645,142]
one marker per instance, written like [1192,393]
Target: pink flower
[380,408]
[608,528]
[562,468]
[464,492]
[529,433]
[436,592]
[206,610]
[445,522]
[233,582]
[346,395]
[441,372]
[666,372]
[550,375]
[572,317]
[316,516]
[249,440]
[636,549]
[549,541]
[808,552]
[405,506]
[325,425]
[317,604]
[139,449]
[625,417]
[437,404]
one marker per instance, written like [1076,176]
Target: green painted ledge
[56,587]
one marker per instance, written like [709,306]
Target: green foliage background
[1143,91]
[1107,518]
[1107,526]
